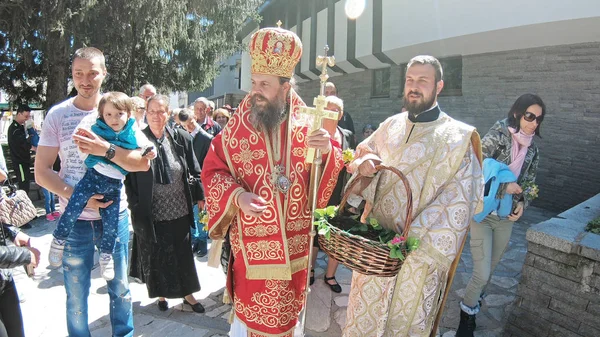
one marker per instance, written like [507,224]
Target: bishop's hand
[251,204]
[320,140]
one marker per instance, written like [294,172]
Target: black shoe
[336,288]
[467,325]
[312,276]
[163,305]
[196,307]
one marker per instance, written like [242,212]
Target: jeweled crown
[275,51]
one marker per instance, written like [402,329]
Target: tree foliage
[173,44]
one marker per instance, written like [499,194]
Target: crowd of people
[133,161]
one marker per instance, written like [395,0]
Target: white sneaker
[55,256]
[107,266]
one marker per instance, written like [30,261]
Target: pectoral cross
[319,111]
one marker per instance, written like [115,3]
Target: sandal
[336,288]
[312,276]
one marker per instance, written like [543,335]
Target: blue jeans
[93,183]
[49,202]
[78,261]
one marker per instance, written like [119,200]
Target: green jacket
[497,144]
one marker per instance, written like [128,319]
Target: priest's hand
[320,140]
[367,168]
[251,204]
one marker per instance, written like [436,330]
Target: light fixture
[354,8]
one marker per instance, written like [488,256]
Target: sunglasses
[530,117]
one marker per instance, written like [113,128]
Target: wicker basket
[369,257]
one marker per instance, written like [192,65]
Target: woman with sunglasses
[509,142]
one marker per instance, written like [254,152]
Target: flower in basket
[347,156]
[399,242]
[203,220]
[530,190]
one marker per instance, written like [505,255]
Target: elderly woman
[221,116]
[510,143]
[161,202]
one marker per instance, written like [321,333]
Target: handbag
[15,206]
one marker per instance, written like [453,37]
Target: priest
[256,179]
[441,157]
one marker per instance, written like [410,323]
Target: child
[104,177]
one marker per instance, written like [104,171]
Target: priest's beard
[423,103]
[268,116]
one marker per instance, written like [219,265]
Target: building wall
[567,78]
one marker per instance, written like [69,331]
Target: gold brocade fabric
[268,274]
[446,180]
[275,51]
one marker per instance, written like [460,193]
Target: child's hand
[81,132]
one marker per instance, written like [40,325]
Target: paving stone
[208,302]
[226,315]
[345,289]
[341,301]
[493,300]
[498,314]
[318,315]
[340,317]
[343,275]
[216,312]
[504,282]
[489,333]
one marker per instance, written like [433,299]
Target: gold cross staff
[314,157]
[319,111]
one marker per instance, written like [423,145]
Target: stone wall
[566,77]
[559,292]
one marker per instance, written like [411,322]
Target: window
[380,85]
[452,67]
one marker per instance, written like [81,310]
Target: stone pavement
[44,306]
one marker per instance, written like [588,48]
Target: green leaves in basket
[396,253]
[398,242]
[375,224]
[325,230]
[412,244]
[327,212]
[359,228]
[322,215]
[371,222]
[386,235]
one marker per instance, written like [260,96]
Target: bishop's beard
[268,116]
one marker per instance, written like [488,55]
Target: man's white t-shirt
[59,126]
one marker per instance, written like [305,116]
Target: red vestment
[268,276]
